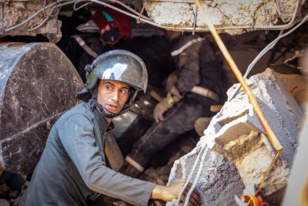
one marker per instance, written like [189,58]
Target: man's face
[112,95]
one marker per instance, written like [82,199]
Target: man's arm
[168,193]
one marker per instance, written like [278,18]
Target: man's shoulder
[80,110]
[186,43]
[188,38]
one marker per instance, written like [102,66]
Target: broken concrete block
[236,133]
[216,178]
[37,84]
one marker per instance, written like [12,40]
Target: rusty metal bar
[270,134]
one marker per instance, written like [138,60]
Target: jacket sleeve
[188,68]
[78,139]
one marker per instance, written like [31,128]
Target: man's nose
[115,95]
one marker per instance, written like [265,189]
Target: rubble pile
[234,151]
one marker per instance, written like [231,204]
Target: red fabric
[120,20]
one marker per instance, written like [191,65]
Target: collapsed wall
[234,151]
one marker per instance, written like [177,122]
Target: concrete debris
[24,18]
[234,151]
[219,180]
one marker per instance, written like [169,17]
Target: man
[73,168]
[105,29]
[197,84]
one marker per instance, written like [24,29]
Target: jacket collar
[102,120]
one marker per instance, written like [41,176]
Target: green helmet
[119,65]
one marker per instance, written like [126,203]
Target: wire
[55,4]
[77,8]
[203,152]
[267,171]
[45,20]
[138,20]
[132,10]
[58,10]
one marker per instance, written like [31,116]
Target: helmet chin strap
[93,103]
[104,111]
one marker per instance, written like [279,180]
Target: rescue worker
[105,29]
[73,168]
[198,84]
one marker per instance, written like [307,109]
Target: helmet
[119,65]
[119,23]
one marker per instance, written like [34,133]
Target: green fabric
[107,16]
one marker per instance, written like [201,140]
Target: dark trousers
[178,120]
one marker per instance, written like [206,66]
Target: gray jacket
[72,168]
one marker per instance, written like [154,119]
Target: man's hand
[172,97]
[175,94]
[168,193]
[160,109]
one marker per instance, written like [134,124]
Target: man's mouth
[112,108]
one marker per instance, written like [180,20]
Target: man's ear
[131,91]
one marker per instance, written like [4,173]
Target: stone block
[37,84]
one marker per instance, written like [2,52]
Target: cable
[77,8]
[197,176]
[27,20]
[45,20]
[279,37]
[57,6]
[130,9]
[191,173]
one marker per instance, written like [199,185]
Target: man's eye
[123,91]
